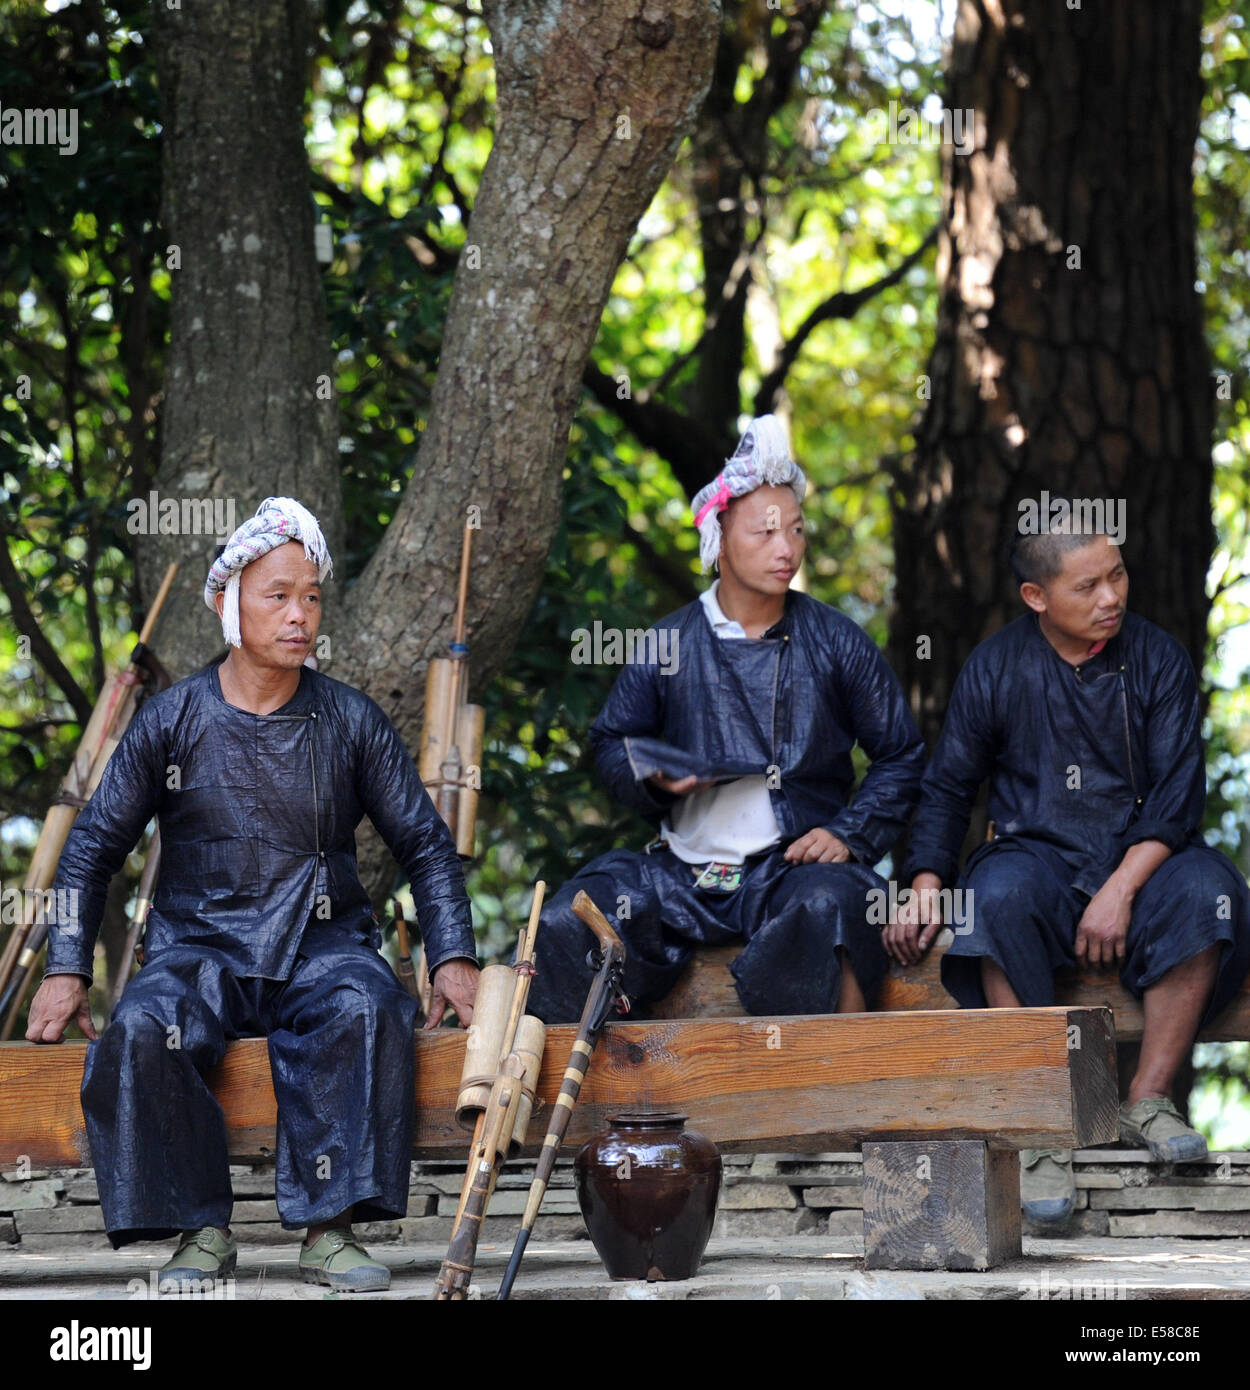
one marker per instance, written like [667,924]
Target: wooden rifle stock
[490,1144]
[407,975]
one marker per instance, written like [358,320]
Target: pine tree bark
[243,417]
[593,102]
[1069,354]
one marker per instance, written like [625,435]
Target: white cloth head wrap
[762,459]
[277,520]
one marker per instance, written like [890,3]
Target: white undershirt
[725,823]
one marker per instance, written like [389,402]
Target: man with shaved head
[1085,720]
[737,749]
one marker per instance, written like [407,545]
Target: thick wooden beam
[706,990]
[1021,1077]
[941,1204]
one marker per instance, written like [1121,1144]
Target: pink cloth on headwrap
[719,499]
[762,459]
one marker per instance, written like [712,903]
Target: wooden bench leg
[941,1204]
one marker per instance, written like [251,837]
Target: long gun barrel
[112,714]
[138,917]
[608,960]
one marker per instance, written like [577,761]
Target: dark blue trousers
[793,919]
[340,1050]
[1024,915]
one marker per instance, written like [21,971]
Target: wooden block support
[706,990]
[1024,1077]
[940,1205]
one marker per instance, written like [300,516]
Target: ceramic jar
[648,1188]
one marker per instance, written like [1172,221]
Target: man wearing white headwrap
[737,748]
[277,521]
[762,459]
[259,769]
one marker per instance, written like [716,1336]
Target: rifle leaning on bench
[109,720]
[608,959]
[133,948]
[503,1114]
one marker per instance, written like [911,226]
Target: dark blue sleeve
[634,708]
[1175,786]
[107,829]
[963,759]
[396,801]
[885,730]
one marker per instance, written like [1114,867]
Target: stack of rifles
[121,696]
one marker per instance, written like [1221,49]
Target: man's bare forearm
[1139,862]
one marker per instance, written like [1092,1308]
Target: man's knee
[162,1014]
[829,887]
[365,998]
[1204,884]
[1013,887]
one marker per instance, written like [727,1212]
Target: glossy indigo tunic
[260,927]
[258,815]
[790,706]
[1083,762]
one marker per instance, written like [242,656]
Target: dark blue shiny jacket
[1087,760]
[789,705]
[257,817]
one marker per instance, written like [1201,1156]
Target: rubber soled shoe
[337,1258]
[1159,1125]
[202,1255]
[1047,1186]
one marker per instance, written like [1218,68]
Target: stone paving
[794,1267]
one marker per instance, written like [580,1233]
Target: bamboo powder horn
[483,1045]
[497,1014]
[531,1040]
[451,742]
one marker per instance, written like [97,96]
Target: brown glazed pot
[648,1189]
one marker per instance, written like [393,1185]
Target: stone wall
[1119,1193]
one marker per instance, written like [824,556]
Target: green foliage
[400,117]
[83,308]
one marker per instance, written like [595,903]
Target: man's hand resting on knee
[904,938]
[818,847]
[60,1000]
[455,983]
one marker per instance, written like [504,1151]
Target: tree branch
[24,621]
[693,452]
[36,726]
[671,572]
[843,305]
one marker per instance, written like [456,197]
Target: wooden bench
[706,990]
[940,1101]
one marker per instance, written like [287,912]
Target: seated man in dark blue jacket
[1085,719]
[259,769]
[737,746]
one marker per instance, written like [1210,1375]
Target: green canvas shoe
[1047,1186]
[202,1255]
[337,1258]
[1159,1125]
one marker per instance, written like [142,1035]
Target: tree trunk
[242,415]
[1051,373]
[593,101]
